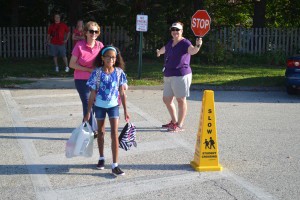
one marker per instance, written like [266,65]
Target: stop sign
[200,23]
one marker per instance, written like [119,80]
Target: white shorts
[178,86]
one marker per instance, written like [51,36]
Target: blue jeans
[84,93]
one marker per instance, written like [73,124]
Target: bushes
[219,55]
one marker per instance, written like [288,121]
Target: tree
[246,13]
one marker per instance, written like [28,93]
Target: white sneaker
[56,69]
[67,69]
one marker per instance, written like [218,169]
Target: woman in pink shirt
[82,61]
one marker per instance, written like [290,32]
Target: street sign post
[200,23]
[142,23]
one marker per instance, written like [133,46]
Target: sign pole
[140,55]
[141,26]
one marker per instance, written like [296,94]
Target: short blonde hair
[88,25]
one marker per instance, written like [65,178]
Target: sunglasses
[175,29]
[93,31]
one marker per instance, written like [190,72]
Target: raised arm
[195,49]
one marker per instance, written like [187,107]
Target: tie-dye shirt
[107,86]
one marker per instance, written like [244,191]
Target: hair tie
[109,48]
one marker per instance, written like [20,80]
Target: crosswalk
[159,166]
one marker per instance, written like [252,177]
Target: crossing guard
[206,157]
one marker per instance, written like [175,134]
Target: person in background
[177,74]
[82,61]
[106,83]
[57,37]
[78,32]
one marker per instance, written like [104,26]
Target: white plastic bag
[81,142]
[94,123]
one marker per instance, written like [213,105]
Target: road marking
[119,189]
[39,178]
[44,189]
[142,148]
[258,192]
[45,105]
[51,117]
[46,96]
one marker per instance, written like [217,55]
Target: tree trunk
[259,17]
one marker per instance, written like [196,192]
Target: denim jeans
[84,93]
[111,112]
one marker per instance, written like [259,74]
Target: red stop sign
[200,23]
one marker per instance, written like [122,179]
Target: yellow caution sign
[206,157]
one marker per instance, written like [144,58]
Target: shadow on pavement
[64,169]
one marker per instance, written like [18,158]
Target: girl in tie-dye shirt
[107,83]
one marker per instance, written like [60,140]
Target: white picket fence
[30,42]
[258,40]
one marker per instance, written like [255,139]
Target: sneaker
[67,69]
[175,128]
[100,164]
[117,171]
[56,69]
[167,125]
[95,134]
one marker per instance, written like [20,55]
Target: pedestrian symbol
[209,144]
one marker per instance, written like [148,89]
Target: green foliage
[275,58]
[219,54]
[279,13]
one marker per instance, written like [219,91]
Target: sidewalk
[258,147]
[68,83]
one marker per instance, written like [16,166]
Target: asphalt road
[258,137]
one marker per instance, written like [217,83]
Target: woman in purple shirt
[177,74]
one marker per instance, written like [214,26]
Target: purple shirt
[177,58]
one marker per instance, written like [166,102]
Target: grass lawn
[218,75]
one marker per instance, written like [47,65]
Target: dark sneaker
[175,128]
[100,164]
[117,171]
[95,134]
[167,125]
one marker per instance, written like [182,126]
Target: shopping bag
[94,123]
[70,145]
[81,141]
[127,138]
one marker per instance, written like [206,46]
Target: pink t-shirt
[85,57]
